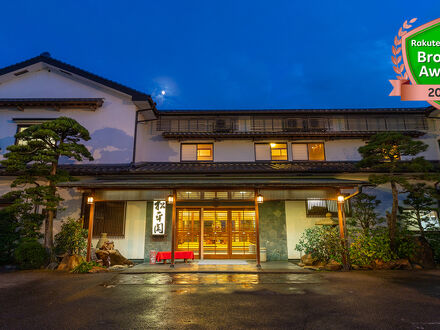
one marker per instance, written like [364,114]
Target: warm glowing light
[163,92]
[90,200]
[260,199]
[272,145]
[341,199]
[170,199]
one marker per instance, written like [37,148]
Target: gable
[45,62]
[46,83]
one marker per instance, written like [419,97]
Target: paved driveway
[374,300]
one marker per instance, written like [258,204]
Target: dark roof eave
[216,112]
[52,102]
[308,134]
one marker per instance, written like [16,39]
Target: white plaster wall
[132,245]
[5,185]
[111,127]
[340,150]
[152,147]
[296,223]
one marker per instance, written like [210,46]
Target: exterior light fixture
[273,145]
[260,198]
[90,200]
[341,199]
[170,199]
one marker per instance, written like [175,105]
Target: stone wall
[273,229]
[157,243]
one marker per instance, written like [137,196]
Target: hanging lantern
[170,199]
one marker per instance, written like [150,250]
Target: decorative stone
[380,264]
[403,264]
[70,262]
[118,267]
[423,254]
[112,257]
[333,265]
[308,260]
[52,266]
[116,258]
[102,240]
[98,269]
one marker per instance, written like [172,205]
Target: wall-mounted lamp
[341,199]
[260,198]
[170,199]
[90,200]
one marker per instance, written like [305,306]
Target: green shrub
[9,237]
[85,267]
[405,244]
[30,255]
[433,238]
[16,227]
[322,242]
[372,245]
[72,238]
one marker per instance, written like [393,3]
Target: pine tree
[35,158]
[383,155]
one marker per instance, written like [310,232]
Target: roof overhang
[264,135]
[205,183]
[54,103]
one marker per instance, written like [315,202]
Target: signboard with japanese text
[159,213]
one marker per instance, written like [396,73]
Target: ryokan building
[215,163]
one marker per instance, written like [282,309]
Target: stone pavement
[271,267]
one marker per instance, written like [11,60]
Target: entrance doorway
[225,233]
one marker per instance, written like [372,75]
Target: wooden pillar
[202,234]
[257,227]
[90,233]
[342,231]
[173,229]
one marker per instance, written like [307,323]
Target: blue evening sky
[223,54]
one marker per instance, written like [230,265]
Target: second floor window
[21,128]
[308,151]
[197,152]
[271,151]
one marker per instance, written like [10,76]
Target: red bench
[185,255]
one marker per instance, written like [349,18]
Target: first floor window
[271,151]
[197,152]
[109,218]
[308,151]
[320,207]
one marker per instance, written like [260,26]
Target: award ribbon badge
[419,75]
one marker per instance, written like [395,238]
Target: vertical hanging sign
[159,212]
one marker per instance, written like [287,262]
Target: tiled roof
[216,112]
[246,167]
[92,103]
[317,134]
[213,168]
[220,168]
[46,58]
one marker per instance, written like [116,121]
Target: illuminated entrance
[217,233]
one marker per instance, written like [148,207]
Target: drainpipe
[136,122]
